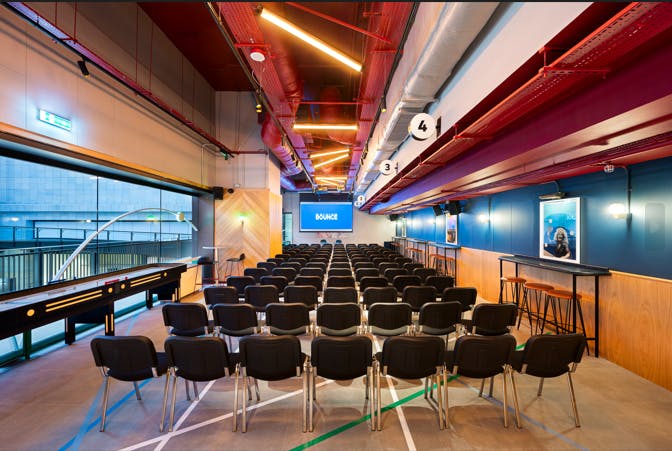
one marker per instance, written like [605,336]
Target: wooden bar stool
[437,261]
[532,293]
[513,285]
[562,320]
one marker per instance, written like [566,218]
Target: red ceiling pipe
[71,42]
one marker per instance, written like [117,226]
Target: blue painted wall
[642,247]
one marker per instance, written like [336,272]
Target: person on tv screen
[561,248]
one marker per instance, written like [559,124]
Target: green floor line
[361,420]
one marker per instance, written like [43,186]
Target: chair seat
[196,332]
[513,279]
[538,286]
[436,330]
[563,294]
[338,332]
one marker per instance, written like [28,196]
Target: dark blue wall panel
[641,246]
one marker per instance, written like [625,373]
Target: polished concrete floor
[53,403]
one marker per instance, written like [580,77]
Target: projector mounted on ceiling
[552,196]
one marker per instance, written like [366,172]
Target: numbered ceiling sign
[361,199]
[422,126]
[387,167]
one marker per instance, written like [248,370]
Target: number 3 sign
[387,167]
[422,126]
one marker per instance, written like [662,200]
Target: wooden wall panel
[635,311]
[259,235]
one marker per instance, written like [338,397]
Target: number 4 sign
[422,126]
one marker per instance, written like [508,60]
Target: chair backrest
[401,261]
[277,261]
[493,319]
[339,295]
[129,358]
[236,320]
[480,357]
[417,295]
[440,282]
[305,294]
[338,319]
[317,264]
[259,296]
[310,271]
[465,295]
[289,264]
[199,358]
[377,260]
[412,357]
[241,257]
[365,272]
[268,266]
[364,264]
[341,281]
[300,260]
[271,358]
[423,273]
[240,282]
[412,266]
[401,282]
[373,295]
[439,318]
[257,273]
[372,281]
[551,355]
[341,358]
[339,272]
[288,272]
[280,282]
[389,319]
[313,281]
[220,295]
[385,265]
[391,273]
[288,318]
[185,319]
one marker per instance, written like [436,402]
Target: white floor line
[402,419]
[167,436]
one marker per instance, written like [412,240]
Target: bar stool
[236,262]
[533,292]
[513,285]
[562,320]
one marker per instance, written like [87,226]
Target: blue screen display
[326,216]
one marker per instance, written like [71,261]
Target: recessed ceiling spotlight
[258,55]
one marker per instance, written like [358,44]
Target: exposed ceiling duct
[429,62]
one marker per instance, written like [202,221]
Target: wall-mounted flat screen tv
[325,216]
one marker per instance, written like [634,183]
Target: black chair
[186,319]
[423,273]
[280,282]
[235,320]
[369,281]
[418,295]
[385,265]
[341,281]
[439,318]
[363,265]
[128,359]
[313,281]
[287,272]
[277,261]
[389,319]
[310,271]
[341,359]
[340,265]
[482,357]
[338,319]
[197,360]
[259,296]
[340,295]
[492,319]
[401,261]
[257,273]
[440,283]
[239,283]
[305,294]
[288,318]
[373,295]
[220,295]
[465,295]
[339,272]
[268,265]
[271,358]
[410,267]
[401,282]
[547,356]
[365,272]
[317,264]
[289,264]
[234,262]
[412,358]
[391,273]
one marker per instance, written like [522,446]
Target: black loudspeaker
[453,207]
[218,192]
[393,217]
[438,211]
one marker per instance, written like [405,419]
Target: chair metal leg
[256,389]
[195,391]
[245,382]
[172,404]
[306,393]
[439,399]
[311,397]
[378,419]
[573,400]
[480,392]
[426,388]
[186,389]
[445,399]
[235,400]
[492,381]
[371,396]
[106,394]
[515,398]
[541,386]
[165,401]
[137,391]
[506,407]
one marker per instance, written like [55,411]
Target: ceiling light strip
[308,126]
[333,160]
[310,39]
[332,152]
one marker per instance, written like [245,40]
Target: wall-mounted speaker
[438,211]
[218,192]
[453,207]
[393,217]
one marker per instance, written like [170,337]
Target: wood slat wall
[635,311]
